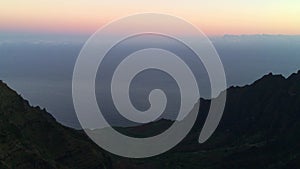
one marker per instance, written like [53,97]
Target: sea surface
[40,67]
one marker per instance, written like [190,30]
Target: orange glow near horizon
[213,18]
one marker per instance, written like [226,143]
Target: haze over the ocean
[40,67]
[40,40]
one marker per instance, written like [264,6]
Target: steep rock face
[31,138]
[260,128]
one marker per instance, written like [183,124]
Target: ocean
[40,67]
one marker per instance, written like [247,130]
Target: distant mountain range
[260,128]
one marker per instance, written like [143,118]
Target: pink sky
[216,17]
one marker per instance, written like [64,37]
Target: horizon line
[80,33]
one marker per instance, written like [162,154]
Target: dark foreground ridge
[260,128]
[30,138]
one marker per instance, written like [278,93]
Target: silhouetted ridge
[260,128]
[30,138]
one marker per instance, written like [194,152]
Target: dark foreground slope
[30,138]
[260,128]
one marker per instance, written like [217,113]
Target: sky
[213,17]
